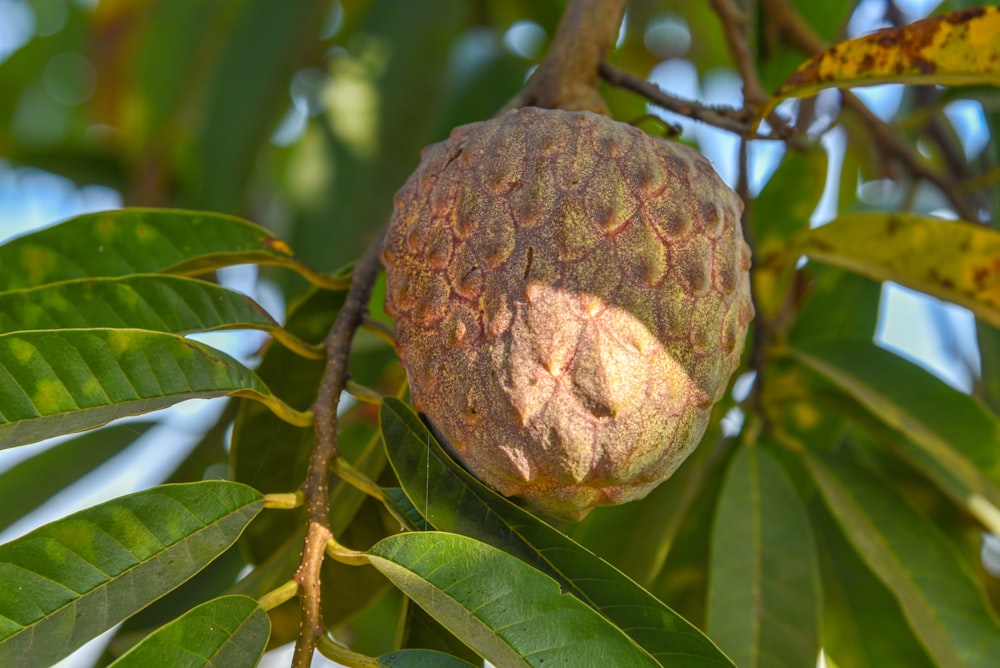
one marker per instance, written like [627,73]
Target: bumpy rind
[571,296]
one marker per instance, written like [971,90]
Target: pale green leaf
[75,578]
[951,436]
[935,588]
[863,625]
[160,303]
[503,608]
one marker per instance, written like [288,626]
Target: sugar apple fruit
[571,296]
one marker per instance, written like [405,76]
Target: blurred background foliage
[305,116]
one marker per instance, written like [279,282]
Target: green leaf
[63,381]
[988,340]
[863,625]
[958,48]
[28,484]
[935,588]
[421,658]
[951,436]
[503,608]
[163,70]
[451,500]
[91,570]
[397,503]
[764,595]
[226,631]
[207,584]
[840,305]
[376,150]
[141,301]
[143,241]
[949,259]
[782,209]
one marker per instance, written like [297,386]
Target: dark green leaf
[63,381]
[937,592]
[420,658]
[500,606]
[764,596]
[421,631]
[348,589]
[142,241]
[452,500]
[227,631]
[840,305]
[91,570]
[267,453]
[28,484]
[375,148]
[952,437]
[403,509]
[210,582]
[265,42]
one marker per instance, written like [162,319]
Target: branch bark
[568,77]
[316,487]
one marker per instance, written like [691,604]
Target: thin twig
[736,26]
[325,451]
[726,118]
[567,78]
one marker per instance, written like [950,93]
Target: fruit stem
[569,74]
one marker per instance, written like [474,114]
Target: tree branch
[568,77]
[725,118]
[736,26]
[325,452]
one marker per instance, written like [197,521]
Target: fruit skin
[571,296]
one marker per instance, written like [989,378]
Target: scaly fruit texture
[571,296]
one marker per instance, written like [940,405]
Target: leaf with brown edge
[953,49]
[953,260]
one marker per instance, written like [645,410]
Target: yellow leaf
[953,260]
[959,48]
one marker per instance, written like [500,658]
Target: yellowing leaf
[954,260]
[958,48]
